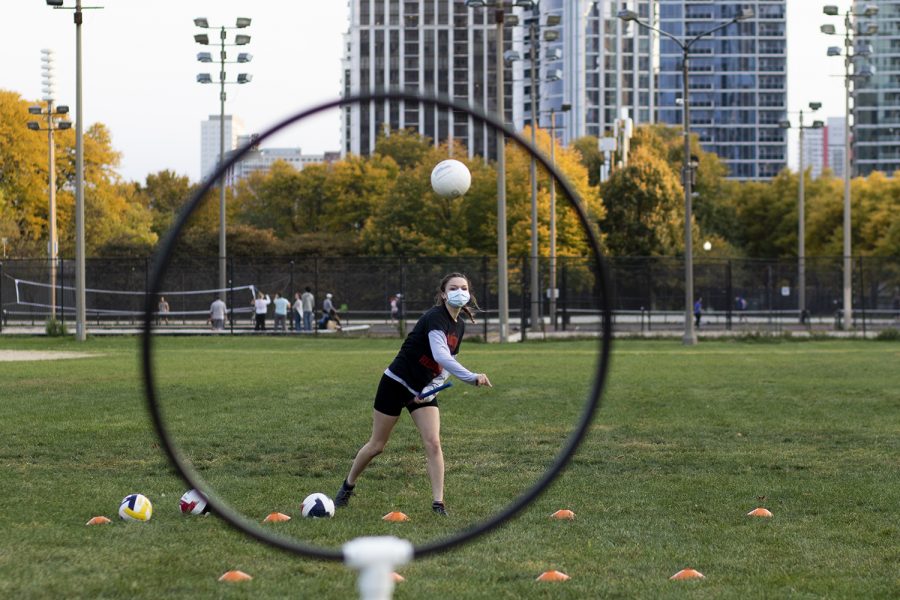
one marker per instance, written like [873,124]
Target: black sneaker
[439,509]
[342,498]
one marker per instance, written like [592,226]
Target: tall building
[835,130]
[434,46]
[210,142]
[815,151]
[737,81]
[876,103]
[599,66]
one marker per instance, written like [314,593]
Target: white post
[376,558]
[80,311]
[502,268]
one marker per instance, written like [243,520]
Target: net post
[231,292]
[316,287]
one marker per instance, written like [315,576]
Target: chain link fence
[648,293]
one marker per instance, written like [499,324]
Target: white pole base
[376,558]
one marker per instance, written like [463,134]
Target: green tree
[644,204]
[589,152]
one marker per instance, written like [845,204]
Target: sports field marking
[27,355]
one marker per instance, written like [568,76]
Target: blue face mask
[457,298]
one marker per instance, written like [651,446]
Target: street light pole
[535,288]
[80,310]
[690,336]
[869,10]
[502,266]
[206,57]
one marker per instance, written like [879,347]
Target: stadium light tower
[801,212]
[860,73]
[690,336]
[80,312]
[54,123]
[206,57]
[499,8]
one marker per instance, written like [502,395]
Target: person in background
[217,311]
[260,306]
[327,311]
[281,310]
[309,305]
[698,311]
[297,312]
[163,311]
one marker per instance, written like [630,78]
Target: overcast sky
[140,70]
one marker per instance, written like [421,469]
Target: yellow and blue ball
[135,507]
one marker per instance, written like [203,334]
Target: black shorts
[392,396]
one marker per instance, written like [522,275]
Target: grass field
[685,443]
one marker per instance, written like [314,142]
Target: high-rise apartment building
[876,102]
[737,81]
[835,130]
[815,151]
[433,46]
[210,142]
[598,65]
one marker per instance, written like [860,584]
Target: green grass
[686,441]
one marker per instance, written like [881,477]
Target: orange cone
[397,577]
[395,517]
[564,514]
[552,576]
[687,574]
[98,521]
[235,576]
[759,512]
[276,517]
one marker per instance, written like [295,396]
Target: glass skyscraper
[737,81]
[876,104]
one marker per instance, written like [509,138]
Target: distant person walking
[217,311]
[327,311]
[281,310]
[698,311]
[395,307]
[309,305]
[163,311]
[260,306]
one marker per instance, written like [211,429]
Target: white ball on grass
[135,507]
[193,503]
[450,179]
[317,505]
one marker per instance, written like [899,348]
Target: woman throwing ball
[425,361]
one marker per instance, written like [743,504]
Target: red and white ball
[193,503]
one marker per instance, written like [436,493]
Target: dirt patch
[22,355]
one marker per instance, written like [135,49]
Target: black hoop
[163,259]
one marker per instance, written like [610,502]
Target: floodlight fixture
[830,9]
[34,110]
[242,22]
[525,3]
[871,29]
[817,125]
[54,3]
[241,40]
[746,13]
[815,105]
[204,78]
[870,10]
[64,125]
[201,22]
[34,126]
[551,35]
[554,54]
[554,74]
[244,57]
[511,20]
[828,28]
[834,51]
[204,57]
[511,56]
[62,109]
[553,20]
[565,107]
[201,38]
[627,15]
[244,78]
[784,124]
[476,3]
[863,49]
